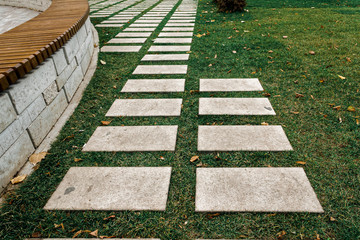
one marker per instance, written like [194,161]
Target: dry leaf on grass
[311,52]
[102,62]
[299,95]
[18,179]
[351,109]
[341,77]
[301,162]
[194,158]
[105,123]
[77,159]
[77,233]
[332,219]
[264,124]
[95,233]
[59,225]
[109,217]
[37,157]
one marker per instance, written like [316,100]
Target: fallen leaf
[105,123]
[285,37]
[266,94]
[162,158]
[18,179]
[233,51]
[343,78]
[301,162]
[107,218]
[264,124]
[299,95]
[332,219]
[210,65]
[114,87]
[271,51]
[281,234]
[77,159]
[348,59]
[95,233]
[215,56]
[36,235]
[199,35]
[37,157]
[77,233]
[102,237]
[102,62]
[294,112]
[311,52]
[212,215]
[337,107]
[351,109]
[68,137]
[194,158]
[59,225]
[357,122]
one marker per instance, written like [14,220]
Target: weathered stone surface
[144,25]
[161,69]
[148,21]
[65,75]
[32,85]
[139,29]
[178,29]
[173,40]
[7,110]
[235,106]
[242,138]
[46,120]
[59,60]
[85,62]
[175,34]
[133,138]
[127,40]
[114,21]
[121,48]
[82,35]
[73,83]
[112,188]
[180,25]
[117,25]
[230,85]
[145,107]
[14,158]
[181,21]
[50,93]
[71,48]
[254,190]
[165,57]
[169,49]
[135,34]
[154,85]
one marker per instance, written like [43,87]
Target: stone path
[217,189]
[11,17]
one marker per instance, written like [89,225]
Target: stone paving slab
[230,85]
[145,107]
[154,85]
[176,34]
[169,48]
[161,69]
[178,29]
[180,25]
[148,21]
[242,138]
[139,29]
[132,138]
[121,48]
[113,189]
[134,34]
[173,40]
[109,25]
[127,40]
[181,21]
[165,57]
[235,106]
[254,190]
[114,21]
[144,25]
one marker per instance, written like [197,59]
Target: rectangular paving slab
[161,69]
[173,40]
[177,29]
[175,34]
[109,25]
[145,107]
[127,40]
[230,85]
[132,138]
[113,189]
[165,57]
[169,48]
[144,25]
[254,190]
[180,25]
[235,106]
[139,29]
[242,138]
[135,34]
[154,85]
[120,48]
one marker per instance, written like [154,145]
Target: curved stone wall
[31,107]
[38,5]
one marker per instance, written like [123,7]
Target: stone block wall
[30,108]
[37,5]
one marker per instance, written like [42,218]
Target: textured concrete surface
[180,24]
[132,138]
[161,69]
[154,85]
[235,106]
[169,48]
[117,25]
[121,48]
[139,29]
[127,40]
[173,40]
[145,107]
[230,85]
[254,190]
[242,138]
[144,25]
[135,34]
[11,17]
[166,57]
[112,188]
[178,29]
[175,34]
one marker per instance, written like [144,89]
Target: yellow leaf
[194,158]
[95,233]
[59,225]
[37,157]
[311,52]
[77,159]
[357,122]
[105,123]
[77,233]
[199,35]
[294,112]
[301,162]
[332,219]
[264,124]
[18,179]
[351,109]
[342,77]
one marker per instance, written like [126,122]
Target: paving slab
[113,189]
[161,69]
[176,34]
[173,40]
[127,40]
[180,25]
[145,107]
[165,57]
[132,138]
[134,34]
[177,29]
[148,21]
[169,48]
[242,138]
[254,190]
[230,85]
[114,21]
[139,29]
[144,25]
[235,106]
[151,18]
[121,48]
[154,85]
[109,25]
[181,21]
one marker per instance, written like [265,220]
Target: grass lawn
[309,92]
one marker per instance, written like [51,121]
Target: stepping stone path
[146,188]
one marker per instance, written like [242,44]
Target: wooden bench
[29,44]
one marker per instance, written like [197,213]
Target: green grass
[329,147]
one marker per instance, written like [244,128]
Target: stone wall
[30,108]
[37,5]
